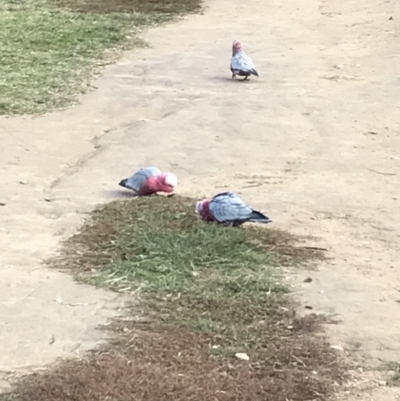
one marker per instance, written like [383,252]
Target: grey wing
[228,207]
[242,62]
[136,181]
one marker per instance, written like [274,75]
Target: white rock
[338,347]
[243,356]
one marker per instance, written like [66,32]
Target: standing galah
[149,180]
[241,63]
[227,208]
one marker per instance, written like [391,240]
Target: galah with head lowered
[227,208]
[241,63]
[150,180]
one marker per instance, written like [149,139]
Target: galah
[227,208]
[241,63]
[150,180]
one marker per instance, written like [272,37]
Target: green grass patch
[164,248]
[49,52]
[207,277]
[159,245]
[202,294]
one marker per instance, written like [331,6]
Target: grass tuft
[394,368]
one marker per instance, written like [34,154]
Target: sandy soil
[313,142]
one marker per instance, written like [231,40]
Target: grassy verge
[199,275]
[203,293]
[49,49]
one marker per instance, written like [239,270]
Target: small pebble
[243,356]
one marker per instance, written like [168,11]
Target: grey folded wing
[242,62]
[136,181]
[227,207]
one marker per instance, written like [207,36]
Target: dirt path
[314,143]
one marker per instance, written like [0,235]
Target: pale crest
[199,207]
[171,180]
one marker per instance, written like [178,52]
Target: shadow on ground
[149,6]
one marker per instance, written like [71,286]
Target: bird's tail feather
[254,72]
[260,221]
[257,217]
[122,183]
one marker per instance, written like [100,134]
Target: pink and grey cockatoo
[227,208]
[241,63]
[150,180]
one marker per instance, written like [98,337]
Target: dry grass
[159,361]
[203,294]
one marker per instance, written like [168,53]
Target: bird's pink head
[166,182]
[236,46]
[203,210]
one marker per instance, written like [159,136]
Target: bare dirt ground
[313,142]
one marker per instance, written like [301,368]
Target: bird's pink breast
[206,213]
[161,185]
[149,187]
[153,185]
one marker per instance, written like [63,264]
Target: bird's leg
[245,78]
[233,76]
[237,223]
